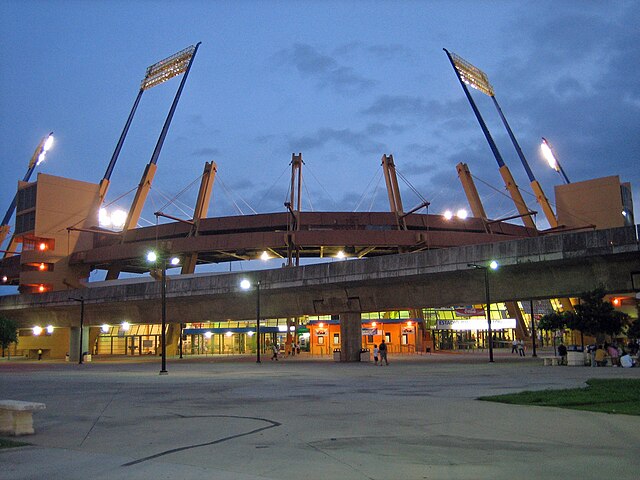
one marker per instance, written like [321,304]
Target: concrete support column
[74,342]
[350,336]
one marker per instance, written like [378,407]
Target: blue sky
[342,82]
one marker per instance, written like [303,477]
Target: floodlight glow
[115,219]
[152,256]
[493,265]
[175,261]
[49,329]
[118,219]
[265,256]
[105,328]
[251,333]
[472,76]
[37,330]
[462,214]
[448,215]
[5,279]
[245,284]
[548,155]
[48,143]
[228,334]
[125,326]
[321,325]
[340,255]
[168,68]
[208,335]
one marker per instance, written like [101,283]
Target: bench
[551,361]
[16,417]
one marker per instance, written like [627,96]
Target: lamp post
[533,330]
[492,265]
[154,257]
[81,300]
[246,285]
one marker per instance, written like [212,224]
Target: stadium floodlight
[550,157]
[41,151]
[472,75]
[168,68]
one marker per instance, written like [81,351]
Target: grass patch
[600,395]
[6,443]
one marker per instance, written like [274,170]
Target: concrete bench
[551,361]
[16,417]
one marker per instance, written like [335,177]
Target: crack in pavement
[271,423]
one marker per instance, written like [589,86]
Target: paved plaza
[311,418]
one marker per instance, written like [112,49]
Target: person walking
[383,352]
[375,354]
[562,352]
[274,349]
[521,348]
[514,346]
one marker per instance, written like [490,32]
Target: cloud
[359,141]
[327,72]
[206,152]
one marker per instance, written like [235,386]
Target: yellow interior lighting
[472,76]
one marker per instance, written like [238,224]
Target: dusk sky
[342,82]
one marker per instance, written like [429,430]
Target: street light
[547,152]
[153,257]
[246,285]
[81,300]
[492,265]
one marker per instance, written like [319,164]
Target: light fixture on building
[125,326]
[105,328]
[265,256]
[37,330]
[208,335]
[49,329]
[114,220]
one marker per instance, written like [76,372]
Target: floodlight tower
[470,75]
[36,159]
[157,73]
[475,77]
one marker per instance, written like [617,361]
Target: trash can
[575,359]
[336,354]
[86,357]
[365,355]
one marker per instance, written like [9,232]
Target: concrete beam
[544,267]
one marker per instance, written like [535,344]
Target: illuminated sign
[476,324]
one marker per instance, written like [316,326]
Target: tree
[594,316]
[8,333]
[634,329]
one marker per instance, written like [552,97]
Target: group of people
[290,349]
[619,357]
[381,352]
[517,346]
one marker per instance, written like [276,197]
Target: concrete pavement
[230,418]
